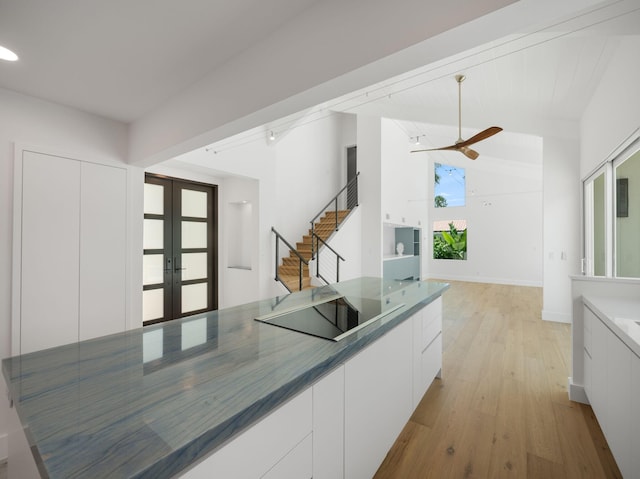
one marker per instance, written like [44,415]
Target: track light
[272,136]
[418,140]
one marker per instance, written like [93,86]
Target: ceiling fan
[463,145]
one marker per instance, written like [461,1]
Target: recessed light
[8,55]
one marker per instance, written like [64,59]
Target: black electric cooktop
[333,319]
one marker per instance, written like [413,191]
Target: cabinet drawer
[587,320]
[295,465]
[431,327]
[587,374]
[431,362]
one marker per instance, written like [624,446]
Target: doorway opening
[180,262]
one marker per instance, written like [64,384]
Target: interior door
[180,253]
[352,171]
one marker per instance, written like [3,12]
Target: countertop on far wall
[151,401]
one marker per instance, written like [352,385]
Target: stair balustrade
[323,225]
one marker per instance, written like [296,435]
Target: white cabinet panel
[634,464]
[328,426]
[102,250]
[378,400]
[427,348]
[22,464]
[598,398]
[618,431]
[588,389]
[295,465]
[430,363]
[49,252]
[71,251]
[259,449]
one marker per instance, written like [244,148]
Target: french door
[180,251]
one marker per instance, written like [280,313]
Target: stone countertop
[620,315]
[149,402]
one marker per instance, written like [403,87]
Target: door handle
[176,266]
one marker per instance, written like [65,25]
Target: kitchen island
[173,399]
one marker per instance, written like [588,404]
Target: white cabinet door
[427,348]
[103,231]
[378,400]
[598,398]
[328,426]
[265,447]
[49,262]
[295,465]
[619,420]
[634,464]
[72,251]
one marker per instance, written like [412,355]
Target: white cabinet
[427,348]
[328,426]
[612,384]
[102,250]
[588,318]
[378,400]
[634,464]
[619,419]
[277,446]
[598,397]
[344,425]
[70,248]
[49,261]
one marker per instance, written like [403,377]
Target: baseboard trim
[556,317]
[4,450]
[478,279]
[576,392]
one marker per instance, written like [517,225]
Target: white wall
[369,131]
[308,173]
[404,179]
[288,181]
[504,218]
[612,114]
[562,247]
[55,129]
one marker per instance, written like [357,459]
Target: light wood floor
[501,408]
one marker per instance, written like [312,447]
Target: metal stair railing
[301,260]
[351,186]
[338,258]
[348,200]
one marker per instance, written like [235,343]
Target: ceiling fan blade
[483,135]
[469,153]
[450,147]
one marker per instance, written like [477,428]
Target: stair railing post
[312,236]
[277,254]
[318,262]
[300,275]
[337,269]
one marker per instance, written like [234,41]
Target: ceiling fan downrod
[459,79]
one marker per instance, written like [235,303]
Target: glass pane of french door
[179,249]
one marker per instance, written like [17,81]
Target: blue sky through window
[452,184]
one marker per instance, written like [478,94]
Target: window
[612,216]
[450,239]
[449,186]
[627,218]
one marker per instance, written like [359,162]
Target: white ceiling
[531,82]
[122,59]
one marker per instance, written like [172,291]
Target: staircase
[289,270]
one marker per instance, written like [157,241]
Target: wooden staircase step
[289,270]
[293,270]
